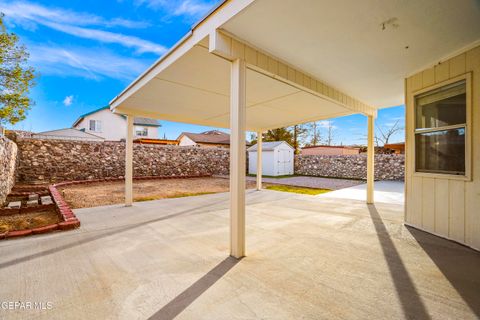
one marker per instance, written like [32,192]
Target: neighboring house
[213,138]
[330,150]
[398,148]
[277,158]
[111,126]
[67,134]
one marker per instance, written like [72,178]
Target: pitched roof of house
[137,120]
[213,136]
[268,146]
[68,133]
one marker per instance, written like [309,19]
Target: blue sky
[86,52]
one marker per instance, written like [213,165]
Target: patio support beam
[230,48]
[237,158]
[370,161]
[129,163]
[259,160]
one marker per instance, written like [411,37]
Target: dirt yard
[106,193]
[28,220]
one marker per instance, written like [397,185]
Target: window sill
[442,176]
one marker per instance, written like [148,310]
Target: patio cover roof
[305,61]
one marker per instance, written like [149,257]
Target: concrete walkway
[308,257]
[311,182]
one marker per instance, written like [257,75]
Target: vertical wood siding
[447,207]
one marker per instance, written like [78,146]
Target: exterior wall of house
[152,132]
[186,141]
[448,206]
[114,127]
[325,151]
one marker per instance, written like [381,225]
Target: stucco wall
[387,167]
[8,157]
[55,160]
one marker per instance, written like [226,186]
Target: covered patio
[258,65]
[308,257]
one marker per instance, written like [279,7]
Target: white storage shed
[277,158]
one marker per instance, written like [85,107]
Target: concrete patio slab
[311,182]
[385,191]
[307,257]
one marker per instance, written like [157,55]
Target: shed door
[284,160]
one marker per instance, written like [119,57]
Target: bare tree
[386,133]
[330,134]
[315,134]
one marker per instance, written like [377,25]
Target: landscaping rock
[46,200]
[8,160]
[60,160]
[387,166]
[32,203]
[14,205]
[33,196]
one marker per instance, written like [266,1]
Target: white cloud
[21,10]
[140,45]
[78,24]
[92,63]
[326,124]
[190,8]
[68,101]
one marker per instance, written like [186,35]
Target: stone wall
[387,166]
[57,160]
[8,158]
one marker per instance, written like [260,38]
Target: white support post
[259,161]
[237,158]
[370,161]
[129,163]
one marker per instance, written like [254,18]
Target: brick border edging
[70,220]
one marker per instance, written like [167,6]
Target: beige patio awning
[306,60]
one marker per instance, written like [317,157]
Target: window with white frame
[141,131]
[96,125]
[440,130]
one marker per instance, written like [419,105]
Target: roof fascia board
[213,21]
[229,47]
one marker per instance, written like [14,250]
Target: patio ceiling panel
[363,48]
[195,89]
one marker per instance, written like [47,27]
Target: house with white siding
[112,126]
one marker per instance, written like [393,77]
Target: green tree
[298,134]
[16,78]
[280,134]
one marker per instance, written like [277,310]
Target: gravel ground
[107,193]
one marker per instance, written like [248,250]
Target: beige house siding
[446,206]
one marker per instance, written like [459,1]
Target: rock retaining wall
[8,158]
[58,160]
[387,166]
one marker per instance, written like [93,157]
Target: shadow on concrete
[412,304]
[189,295]
[459,264]
[106,234]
